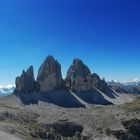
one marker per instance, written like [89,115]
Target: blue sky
[105,34]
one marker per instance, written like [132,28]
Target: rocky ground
[47,121]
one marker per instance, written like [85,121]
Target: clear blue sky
[105,34]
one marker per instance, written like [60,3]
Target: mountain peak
[78,76]
[134,80]
[49,75]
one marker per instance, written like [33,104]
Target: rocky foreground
[48,121]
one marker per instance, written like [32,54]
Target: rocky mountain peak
[99,83]
[49,75]
[78,68]
[78,76]
[77,61]
[30,71]
[26,82]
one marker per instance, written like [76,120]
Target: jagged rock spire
[26,82]
[49,75]
[78,76]
[98,83]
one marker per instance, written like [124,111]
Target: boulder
[45,135]
[78,76]
[66,129]
[26,82]
[49,76]
[131,131]
[58,131]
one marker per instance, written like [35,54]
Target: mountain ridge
[132,87]
[79,88]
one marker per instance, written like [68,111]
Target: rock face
[26,82]
[49,75]
[67,129]
[59,130]
[124,88]
[116,87]
[78,76]
[131,132]
[99,83]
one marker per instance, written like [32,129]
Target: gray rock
[45,135]
[131,132]
[102,85]
[66,129]
[49,75]
[78,76]
[26,82]
[59,130]
[118,87]
[99,83]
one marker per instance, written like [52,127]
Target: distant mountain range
[132,87]
[135,82]
[6,90]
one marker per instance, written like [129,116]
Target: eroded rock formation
[98,83]
[26,82]
[78,76]
[49,75]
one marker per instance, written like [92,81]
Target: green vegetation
[132,106]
